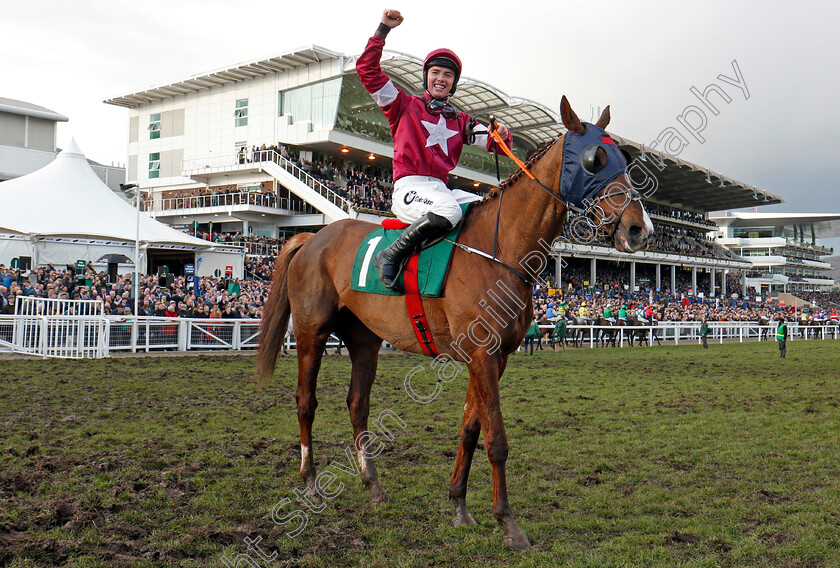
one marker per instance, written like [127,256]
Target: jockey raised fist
[392,18]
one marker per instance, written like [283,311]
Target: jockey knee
[449,211]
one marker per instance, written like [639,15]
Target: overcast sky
[642,58]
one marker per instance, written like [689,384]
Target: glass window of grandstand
[154,165]
[241,112]
[316,103]
[248,188]
[753,232]
[154,126]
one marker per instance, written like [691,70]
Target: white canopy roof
[66,199]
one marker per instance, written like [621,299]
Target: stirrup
[395,285]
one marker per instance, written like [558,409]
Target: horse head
[594,179]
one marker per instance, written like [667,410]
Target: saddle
[432,261]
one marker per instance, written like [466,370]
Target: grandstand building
[289,143]
[28,142]
[783,248]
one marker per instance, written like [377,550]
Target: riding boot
[390,261]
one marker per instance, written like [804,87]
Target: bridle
[593,205]
[592,210]
[612,221]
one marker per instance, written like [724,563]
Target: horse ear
[605,118]
[570,119]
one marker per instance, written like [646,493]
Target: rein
[630,195]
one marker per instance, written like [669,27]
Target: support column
[673,279]
[632,276]
[723,283]
[245,226]
[712,283]
[659,276]
[694,280]
[592,266]
[743,283]
[558,271]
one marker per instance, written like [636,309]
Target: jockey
[429,135]
[622,313]
[834,317]
[608,314]
[640,314]
[649,312]
[583,311]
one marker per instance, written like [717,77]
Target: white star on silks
[439,134]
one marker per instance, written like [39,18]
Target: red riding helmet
[443,58]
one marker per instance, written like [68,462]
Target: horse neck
[528,213]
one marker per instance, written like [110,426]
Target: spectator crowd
[233,298]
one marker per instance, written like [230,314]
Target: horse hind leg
[310,350]
[363,346]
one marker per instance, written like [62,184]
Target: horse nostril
[636,233]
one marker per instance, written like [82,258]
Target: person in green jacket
[608,314]
[622,313]
[781,337]
[558,334]
[532,335]
[704,333]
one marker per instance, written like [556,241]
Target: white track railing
[689,332]
[99,336]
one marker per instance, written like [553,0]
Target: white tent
[64,212]
[67,199]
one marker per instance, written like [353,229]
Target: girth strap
[415,308]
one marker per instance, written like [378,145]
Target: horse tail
[276,314]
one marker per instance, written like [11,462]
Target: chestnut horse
[312,281]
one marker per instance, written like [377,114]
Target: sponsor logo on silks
[412,196]
[607,140]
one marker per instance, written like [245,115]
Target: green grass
[664,456]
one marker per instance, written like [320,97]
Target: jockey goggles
[438,106]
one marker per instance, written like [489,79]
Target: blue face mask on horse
[590,161]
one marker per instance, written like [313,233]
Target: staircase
[311,190]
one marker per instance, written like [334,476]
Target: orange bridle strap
[501,144]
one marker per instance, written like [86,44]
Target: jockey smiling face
[440,81]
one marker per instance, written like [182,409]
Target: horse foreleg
[484,379]
[470,429]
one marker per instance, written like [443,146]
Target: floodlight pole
[134,330]
[137,259]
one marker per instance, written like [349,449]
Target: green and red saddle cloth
[432,262]
[424,273]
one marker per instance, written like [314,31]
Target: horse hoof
[516,540]
[463,519]
[380,498]
[313,496]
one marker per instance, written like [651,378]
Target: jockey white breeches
[414,196]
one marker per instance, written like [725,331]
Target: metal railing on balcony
[229,199]
[262,156]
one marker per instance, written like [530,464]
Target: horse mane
[532,159]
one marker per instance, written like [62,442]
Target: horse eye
[593,159]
